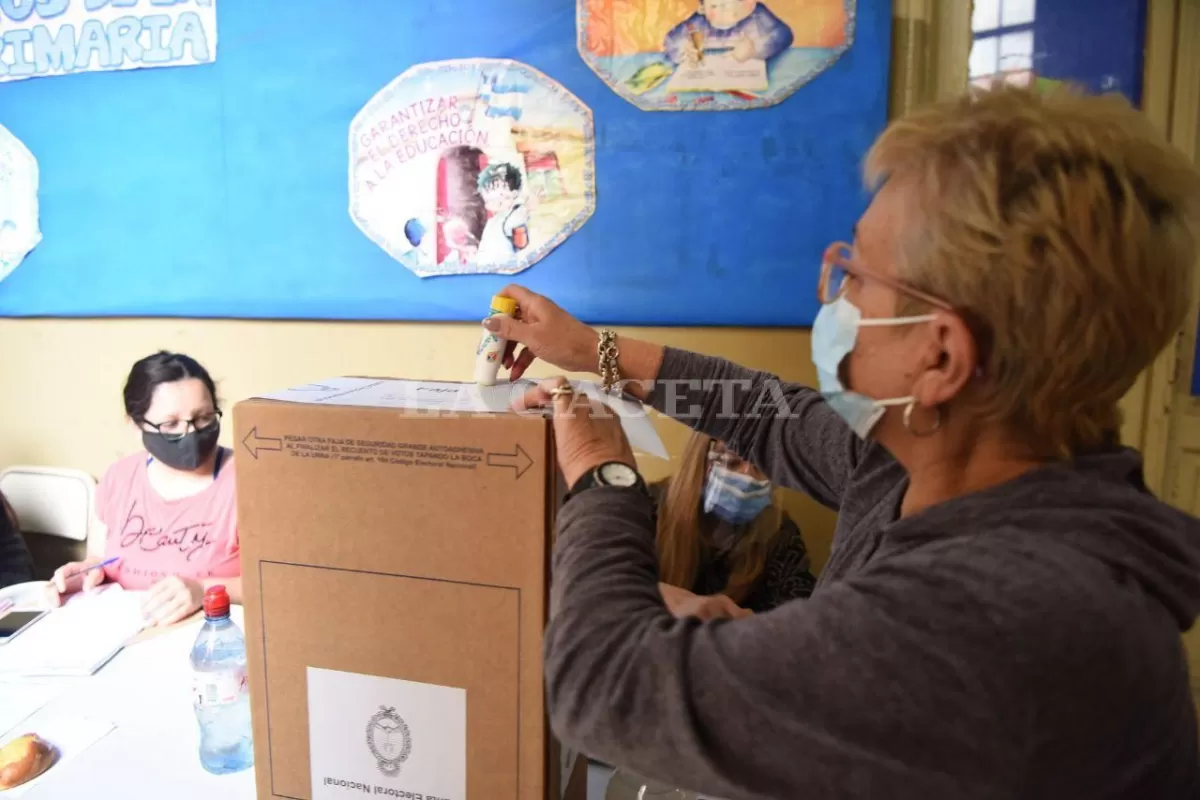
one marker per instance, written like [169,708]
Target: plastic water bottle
[220,695]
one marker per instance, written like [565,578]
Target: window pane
[984,59]
[1017,12]
[1016,51]
[985,15]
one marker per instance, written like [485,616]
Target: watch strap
[591,479]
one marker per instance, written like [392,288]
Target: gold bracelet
[610,376]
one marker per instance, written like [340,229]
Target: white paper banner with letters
[43,38]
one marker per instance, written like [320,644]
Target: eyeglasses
[726,459]
[175,429]
[837,269]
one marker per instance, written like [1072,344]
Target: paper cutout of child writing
[725,46]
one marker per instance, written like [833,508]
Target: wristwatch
[612,473]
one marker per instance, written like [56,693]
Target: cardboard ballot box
[395,558]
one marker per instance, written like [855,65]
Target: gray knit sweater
[1021,642]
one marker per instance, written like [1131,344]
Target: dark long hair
[162,367]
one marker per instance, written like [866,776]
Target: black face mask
[186,453]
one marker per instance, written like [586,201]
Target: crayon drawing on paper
[711,55]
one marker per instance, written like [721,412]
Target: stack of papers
[77,639]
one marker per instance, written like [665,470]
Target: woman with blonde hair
[1000,615]
[725,545]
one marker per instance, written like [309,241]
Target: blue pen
[86,570]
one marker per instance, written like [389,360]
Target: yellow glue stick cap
[504,305]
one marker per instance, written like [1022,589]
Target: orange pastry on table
[23,759]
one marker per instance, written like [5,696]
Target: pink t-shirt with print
[193,537]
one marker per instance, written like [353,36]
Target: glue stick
[491,346]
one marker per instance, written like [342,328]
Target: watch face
[618,475]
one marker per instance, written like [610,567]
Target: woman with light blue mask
[1001,613]
[725,545]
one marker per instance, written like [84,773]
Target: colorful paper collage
[471,166]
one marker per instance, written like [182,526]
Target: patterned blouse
[787,573]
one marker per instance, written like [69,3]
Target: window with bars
[1003,41]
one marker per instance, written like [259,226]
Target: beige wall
[62,379]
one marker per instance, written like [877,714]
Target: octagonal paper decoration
[711,55]
[19,232]
[471,166]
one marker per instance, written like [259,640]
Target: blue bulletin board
[1098,45]
[220,190]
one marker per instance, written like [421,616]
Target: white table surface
[152,753]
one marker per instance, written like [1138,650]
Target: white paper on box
[445,396]
[385,737]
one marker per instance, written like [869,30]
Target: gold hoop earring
[937,420]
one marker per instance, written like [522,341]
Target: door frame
[1171,100]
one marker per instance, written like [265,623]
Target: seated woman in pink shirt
[169,513]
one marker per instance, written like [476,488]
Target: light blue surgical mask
[734,497]
[833,336]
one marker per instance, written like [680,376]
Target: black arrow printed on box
[256,444]
[313,387]
[518,460]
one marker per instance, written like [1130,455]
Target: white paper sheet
[70,736]
[415,395]
[720,72]
[415,742]
[145,762]
[31,596]
[444,396]
[20,701]
[635,419]
[78,638]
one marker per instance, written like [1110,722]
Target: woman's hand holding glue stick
[491,348]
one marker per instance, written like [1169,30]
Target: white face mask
[833,336]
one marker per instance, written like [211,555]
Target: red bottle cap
[216,602]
